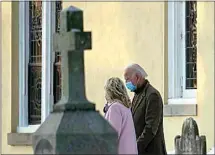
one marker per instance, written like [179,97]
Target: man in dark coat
[147,110]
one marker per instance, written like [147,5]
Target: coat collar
[140,93]
[106,107]
[142,88]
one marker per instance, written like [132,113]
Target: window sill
[23,136]
[19,139]
[28,129]
[180,107]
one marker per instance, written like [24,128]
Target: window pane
[191,44]
[57,64]
[35,60]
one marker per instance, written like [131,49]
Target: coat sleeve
[114,117]
[152,119]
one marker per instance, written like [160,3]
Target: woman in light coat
[118,114]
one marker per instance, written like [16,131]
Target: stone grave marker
[74,126]
[190,142]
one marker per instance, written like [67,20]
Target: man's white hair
[138,69]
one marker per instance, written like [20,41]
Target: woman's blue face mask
[130,86]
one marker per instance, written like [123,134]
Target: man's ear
[138,76]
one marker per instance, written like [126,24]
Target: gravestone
[190,142]
[74,126]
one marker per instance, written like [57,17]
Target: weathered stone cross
[71,42]
[74,127]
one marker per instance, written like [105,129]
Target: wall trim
[171,110]
[19,139]
[1,75]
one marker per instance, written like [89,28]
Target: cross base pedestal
[73,106]
[75,132]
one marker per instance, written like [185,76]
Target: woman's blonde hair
[116,91]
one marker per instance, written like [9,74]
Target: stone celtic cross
[74,126]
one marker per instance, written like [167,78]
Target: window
[57,63]
[182,49]
[37,23]
[190,45]
[35,62]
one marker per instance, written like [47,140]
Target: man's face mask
[130,86]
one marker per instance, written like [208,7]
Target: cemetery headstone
[74,126]
[190,142]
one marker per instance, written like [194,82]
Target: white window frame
[48,27]
[177,92]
